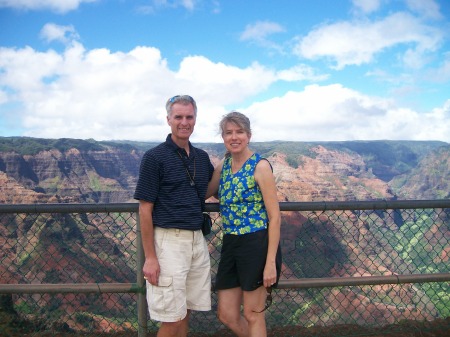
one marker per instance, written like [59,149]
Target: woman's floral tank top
[241,202]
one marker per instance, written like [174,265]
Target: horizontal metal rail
[214,207]
[139,288]
[66,288]
[327,282]
[283,284]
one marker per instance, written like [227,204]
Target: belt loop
[177,231]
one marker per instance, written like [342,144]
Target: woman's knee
[253,317]
[222,316]
[227,317]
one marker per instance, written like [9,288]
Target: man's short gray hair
[183,99]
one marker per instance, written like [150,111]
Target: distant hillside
[96,248]
[74,170]
[430,179]
[385,158]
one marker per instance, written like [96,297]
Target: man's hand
[151,270]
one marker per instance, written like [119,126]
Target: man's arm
[151,265]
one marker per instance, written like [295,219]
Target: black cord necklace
[191,179]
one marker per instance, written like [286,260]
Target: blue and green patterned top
[241,202]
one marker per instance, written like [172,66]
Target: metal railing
[363,263]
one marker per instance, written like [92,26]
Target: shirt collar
[176,148]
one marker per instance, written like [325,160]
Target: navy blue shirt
[163,180]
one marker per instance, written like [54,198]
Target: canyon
[334,244]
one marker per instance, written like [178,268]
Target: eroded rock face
[429,180]
[11,192]
[338,244]
[109,174]
[73,176]
[328,176]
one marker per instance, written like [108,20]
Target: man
[171,188]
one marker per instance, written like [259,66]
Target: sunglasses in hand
[268,300]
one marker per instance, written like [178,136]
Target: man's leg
[175,329]
[167,301]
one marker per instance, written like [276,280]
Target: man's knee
[173,328]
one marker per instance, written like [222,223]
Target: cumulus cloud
[356,43]
[104,95]
[230,84]
[52,32]
[345,114]
[100,94]
[53,5]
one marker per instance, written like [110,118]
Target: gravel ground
[438,328]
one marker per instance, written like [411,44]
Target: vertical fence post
[141,303]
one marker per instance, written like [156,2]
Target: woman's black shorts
[242,261]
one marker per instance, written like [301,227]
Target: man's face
[182,121]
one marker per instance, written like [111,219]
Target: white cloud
[367,6]
[333,112]
[155,5]
[301,72]
[59,6]
[426,8]
[52,32]
[188,4]
[104,95]
[230,84]
[3,97]
[260,30]
[437,125]
[101,94]
[259,33]
[356,43]
[441,74]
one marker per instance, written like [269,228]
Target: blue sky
[321,70]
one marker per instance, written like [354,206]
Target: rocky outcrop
[87,171]
[429,180]
[87,248]
[72,176]
[329,175]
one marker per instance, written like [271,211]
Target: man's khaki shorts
[185,277]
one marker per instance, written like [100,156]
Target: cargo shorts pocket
[162,297]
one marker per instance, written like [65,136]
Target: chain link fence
[75,269]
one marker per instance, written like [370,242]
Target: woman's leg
[253,305]
[229,311]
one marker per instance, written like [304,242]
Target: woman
[250,259]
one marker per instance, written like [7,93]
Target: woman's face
[235,138]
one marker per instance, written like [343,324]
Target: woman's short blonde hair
[237,118]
